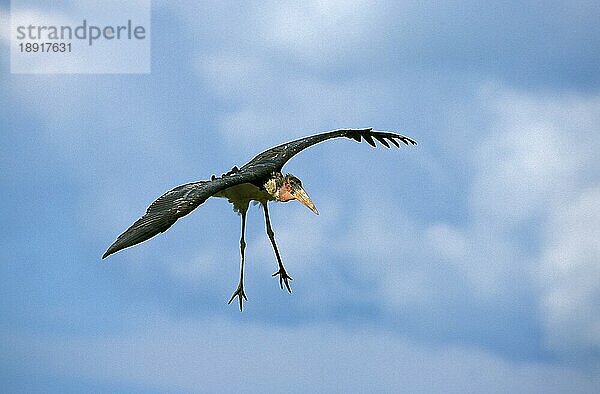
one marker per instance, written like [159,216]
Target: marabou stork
[259,180]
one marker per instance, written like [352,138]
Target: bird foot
[240,294]
[283,278]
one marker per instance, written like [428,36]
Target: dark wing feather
[276,157]
[172,205]
[176,203]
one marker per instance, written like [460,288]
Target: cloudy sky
[468,263]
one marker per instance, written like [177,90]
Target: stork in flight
[259,180]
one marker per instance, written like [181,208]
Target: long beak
[301,196]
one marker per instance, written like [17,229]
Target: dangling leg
[283,276]
[240,289]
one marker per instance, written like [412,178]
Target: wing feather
[172,205]
[369,140]
[382,141]
[276,157]
[182,200]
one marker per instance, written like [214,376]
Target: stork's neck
[273,184]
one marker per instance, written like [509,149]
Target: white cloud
[201,269]
[570,275]
[223,356]
[535,171]
[530,163]
[267,96]
[541,166]
[537,154]
[268,104]
[539,157]
[233,74]
[324,33]
[488,262]
[382,241]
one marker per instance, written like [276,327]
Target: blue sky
[468,263]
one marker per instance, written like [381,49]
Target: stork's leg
[240,289]
[283,276]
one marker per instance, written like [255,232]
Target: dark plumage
[259,180]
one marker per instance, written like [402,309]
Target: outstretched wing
[276,157]
[176,203]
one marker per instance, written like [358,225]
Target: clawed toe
[240,294]
[284,278]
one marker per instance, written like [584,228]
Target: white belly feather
[241,195]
